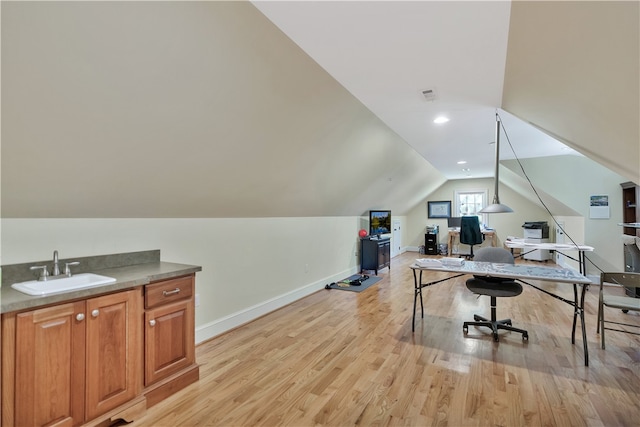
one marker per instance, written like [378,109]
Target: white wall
[572,180]
[249,266]
[574,233]
[504,224]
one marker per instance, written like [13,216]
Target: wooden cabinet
[630,210]
[93,360]
[169,347]
[375,254]
[169,328]
[631,214]
[71,362]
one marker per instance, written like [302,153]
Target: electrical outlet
[197,300]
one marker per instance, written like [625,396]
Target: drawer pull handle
[95,313]
[152,322]
[173,292]
[80,317]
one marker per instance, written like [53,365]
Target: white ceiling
[387,52]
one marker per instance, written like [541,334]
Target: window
[469,202]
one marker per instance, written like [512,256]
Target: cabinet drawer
[168,291]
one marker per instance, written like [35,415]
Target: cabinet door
[50,366]
[113,351]
[385,254]
[169,340]
[382,259]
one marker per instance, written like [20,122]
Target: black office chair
[495,287]
[470,233]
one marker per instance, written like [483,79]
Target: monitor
[454,221]
[379,222]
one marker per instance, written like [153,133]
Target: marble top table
[520,272]
[514,271]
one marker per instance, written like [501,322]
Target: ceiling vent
[429,94]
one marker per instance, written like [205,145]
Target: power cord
[538,195]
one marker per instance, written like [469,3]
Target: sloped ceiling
[185,109]
[573,68]
[207,109]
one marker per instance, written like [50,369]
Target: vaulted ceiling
[388,53]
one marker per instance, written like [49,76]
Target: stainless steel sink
[66,284]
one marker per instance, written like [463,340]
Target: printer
[536,232]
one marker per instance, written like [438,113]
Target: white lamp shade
[496,208]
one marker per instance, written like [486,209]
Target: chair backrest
[470,233]
[629,280]
[491,254]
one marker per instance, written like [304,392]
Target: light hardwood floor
[340,358]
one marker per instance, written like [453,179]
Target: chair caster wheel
[625,311]
[495,337]
[327,286]
[525,337]
[465,330]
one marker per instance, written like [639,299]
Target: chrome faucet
[67,270]
[56,267]
[44,274]
[55,273]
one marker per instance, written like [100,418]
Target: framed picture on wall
[439,209]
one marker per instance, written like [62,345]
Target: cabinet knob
[80,317]
[95,312]
[152,322]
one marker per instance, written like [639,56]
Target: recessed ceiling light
[462,162]
[466,170]
[441,119]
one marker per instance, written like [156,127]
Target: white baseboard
[224,324]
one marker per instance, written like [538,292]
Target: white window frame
[484,193]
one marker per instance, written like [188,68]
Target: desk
[557,247]
[518,272]
[454,234]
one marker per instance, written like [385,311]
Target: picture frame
[440,209]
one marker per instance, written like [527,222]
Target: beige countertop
[127,277]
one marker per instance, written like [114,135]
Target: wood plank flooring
[339,358]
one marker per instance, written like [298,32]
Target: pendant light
[496,206]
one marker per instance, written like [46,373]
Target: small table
[516,272]
[453,234]
[558,247]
